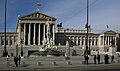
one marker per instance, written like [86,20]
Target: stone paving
[55,62]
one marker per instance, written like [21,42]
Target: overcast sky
[71,12]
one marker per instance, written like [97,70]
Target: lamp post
[89,46]
[5,53]
[21,39]
[87,51]
[21,47]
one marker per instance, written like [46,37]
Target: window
[10,42]
[96,42]
[93,42]
[82,41]
[7,42]
[2,42]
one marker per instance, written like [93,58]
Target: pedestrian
[7,57]
[95,59]
[19,59]
[66,57]
[98,58]
[11,54]
[112,59]
[106,58]
[16,61]
[86,59]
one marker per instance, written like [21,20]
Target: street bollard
[39,63]
[69,63]
[23,63]
[118,61]
[8,63]
[54,63]
[83,62]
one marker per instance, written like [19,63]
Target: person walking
[86,59]
[7,60]
[66,57]
[106,58]
[19,59]
[95,59]
[112,59]
[98,58]
[16,61]
[7,57]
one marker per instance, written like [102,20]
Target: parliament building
[31,31]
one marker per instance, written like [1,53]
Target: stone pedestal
[112,50]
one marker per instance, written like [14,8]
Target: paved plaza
[58,64]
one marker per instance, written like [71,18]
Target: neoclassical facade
[11,39]
[32,28]
[31,31]
[101,41]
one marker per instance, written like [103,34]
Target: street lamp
[5,53]
[21,47]
[87,51]
[89,46]
[21,39]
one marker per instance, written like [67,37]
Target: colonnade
[35,33]
[106,40]
[92,41]
[10,40]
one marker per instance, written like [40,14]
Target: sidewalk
[52,64]
[64,68]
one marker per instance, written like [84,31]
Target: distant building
[31,31]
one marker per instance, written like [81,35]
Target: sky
[72,13]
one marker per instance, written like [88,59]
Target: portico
[34,27]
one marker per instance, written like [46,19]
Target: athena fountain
[47,48]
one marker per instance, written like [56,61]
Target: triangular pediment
[110,32]
[37,15]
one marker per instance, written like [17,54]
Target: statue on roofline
[59,25]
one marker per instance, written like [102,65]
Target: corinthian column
[24,33]
[94,40]
[53,34]
[19,34]
[44,32]
[80,41]
[9,41]
[39,35]
[115,39]
[13,40]
[85,41]
[103,40]
[108,40]
[29,34]
[34,34]
[0,40]
[77,41]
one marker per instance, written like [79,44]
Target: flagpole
[5,53]
[38,4]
